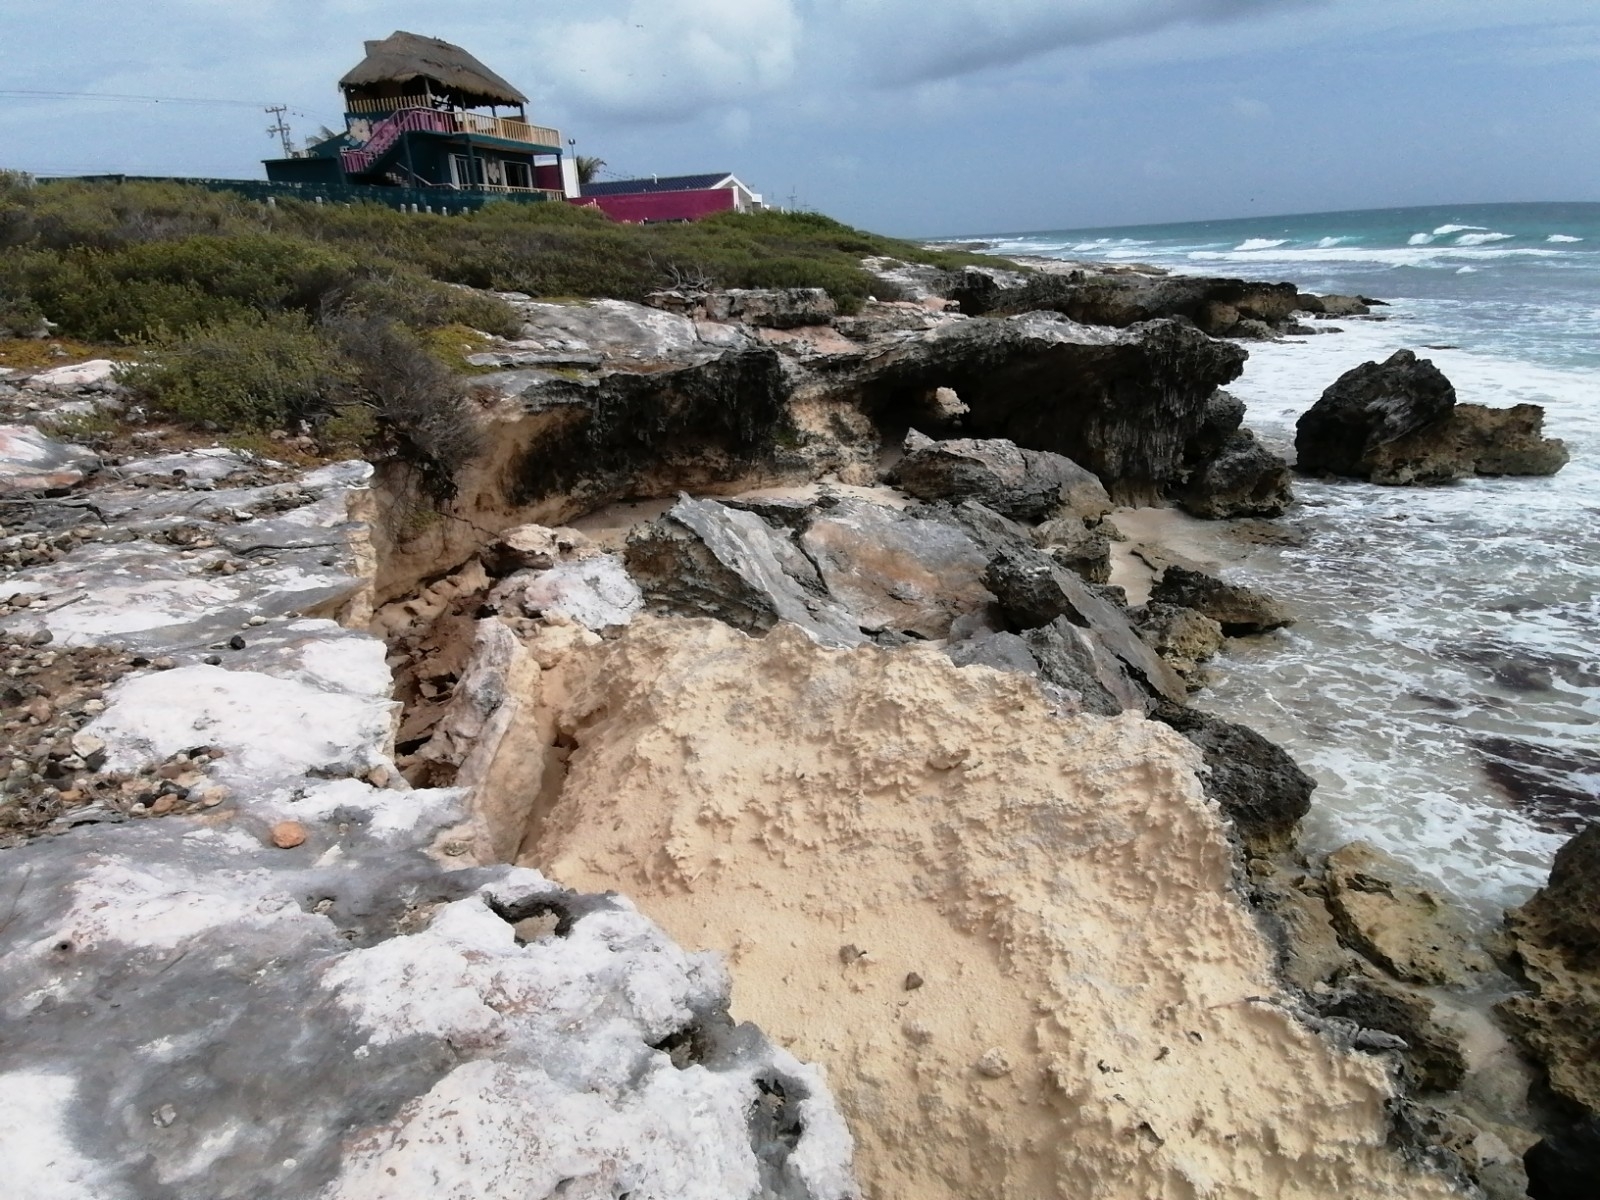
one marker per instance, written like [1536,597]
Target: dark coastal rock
[706,559]
[1122,403]
[1033,591]
[1556,938]
[1556,786]
[1408,931]
[1397,422]
[1229,472]
[1244,479]
[1332,305]
[1026,485]
[1215,305]
[1063,655]
[1238,609]
[1077,546]
[1078,660]
[1258,786]
[1565,1165]
[896,572]
[1433,1057]
[1183,637]
[1368,407]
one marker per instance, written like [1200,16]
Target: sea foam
[1483,239]
[1262,244]
[1562,237]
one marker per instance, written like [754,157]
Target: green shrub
[261,371]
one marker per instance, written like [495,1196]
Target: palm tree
[588,167]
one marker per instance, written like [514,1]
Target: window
[519,175]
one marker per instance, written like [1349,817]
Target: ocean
[1443,681]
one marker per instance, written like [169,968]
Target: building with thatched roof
[424,115]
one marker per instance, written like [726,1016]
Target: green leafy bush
[253,372]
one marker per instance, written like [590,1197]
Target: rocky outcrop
[1217,306]
[1238,609]
[924,862]
[1333,305]
[1123,403]
[360,1005]
[1077,546]
[1229,472]
[1033,591]
[1397,422]
[1408,931]
[1556,940]
[1025,485]
[32,462]
[1258,786]
[1183,637]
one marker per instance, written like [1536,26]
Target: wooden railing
[467,122]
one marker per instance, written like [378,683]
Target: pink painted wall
[662,206]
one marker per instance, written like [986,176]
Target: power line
[120,98]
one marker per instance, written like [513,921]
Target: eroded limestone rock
[917,818]
[1237,608]
[1408,931]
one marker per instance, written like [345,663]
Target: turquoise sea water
[1436,624]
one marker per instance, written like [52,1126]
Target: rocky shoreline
[843,647]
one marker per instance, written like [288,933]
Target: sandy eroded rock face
[1013,940]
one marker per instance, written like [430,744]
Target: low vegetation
[253,317]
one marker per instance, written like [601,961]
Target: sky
[912,117]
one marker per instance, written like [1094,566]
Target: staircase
[387,132]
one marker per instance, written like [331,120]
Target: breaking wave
[1262,244]
[1483,239]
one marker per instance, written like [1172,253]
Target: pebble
[212,660]
[236,642]
[286,835]
[164,805]
[258,619]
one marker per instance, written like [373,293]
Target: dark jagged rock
[1397,422]
[1025,485]
[610,430]
[1219,421]
[1245,479]
[1433,1055]
[1369,407]
[1033,591]
[706,559]
[1237,608]
[1259,787]
[1565,1165]
[1079,661]
[1122,403]
[1215,305]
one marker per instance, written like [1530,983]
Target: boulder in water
[1237,608]
[1397,422]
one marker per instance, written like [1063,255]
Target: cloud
[665,60]
[668,60]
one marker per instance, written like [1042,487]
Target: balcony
[461,121]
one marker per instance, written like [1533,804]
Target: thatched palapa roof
[401,57]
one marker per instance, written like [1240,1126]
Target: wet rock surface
[1406,930]
[1556,940]
[1397,422]
[1237,608]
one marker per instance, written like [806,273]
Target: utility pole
[281,128]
